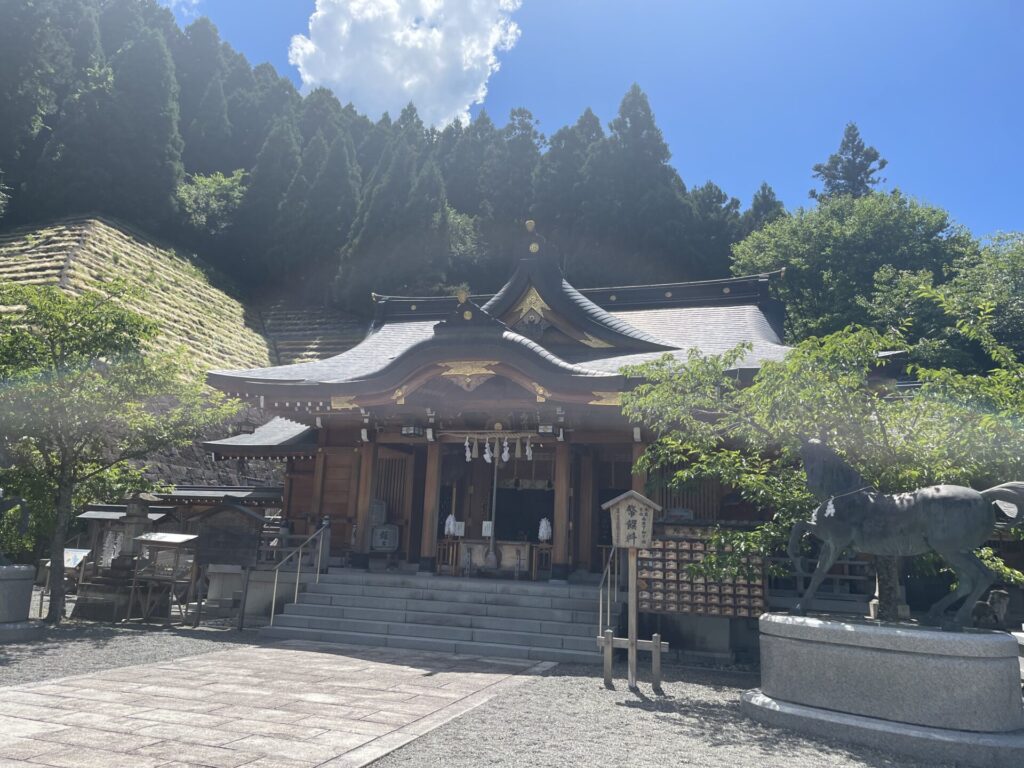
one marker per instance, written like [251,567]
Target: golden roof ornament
[531,301]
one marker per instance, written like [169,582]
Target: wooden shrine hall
[480,434]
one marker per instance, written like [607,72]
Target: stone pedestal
[225,583]
[16,583]
[917,690]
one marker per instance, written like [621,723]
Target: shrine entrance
[519,512]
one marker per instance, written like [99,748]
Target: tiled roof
[712,330]
[277,436]
[381,349]
[600,330]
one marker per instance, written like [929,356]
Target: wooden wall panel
[338,501]
[703,497]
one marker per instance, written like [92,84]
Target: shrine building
[492,414]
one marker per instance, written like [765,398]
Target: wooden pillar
[431,507]
[361,544]
[639,478]
[586,510]
[560,525]
[316,504]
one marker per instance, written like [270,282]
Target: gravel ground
[76,648]
[567,718]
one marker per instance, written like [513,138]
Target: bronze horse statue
[950,520]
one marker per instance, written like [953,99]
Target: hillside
[214,325]
[79,254]
[218,328]
[299,332]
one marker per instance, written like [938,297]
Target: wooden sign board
[632,518]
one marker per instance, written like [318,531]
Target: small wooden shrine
[489,417]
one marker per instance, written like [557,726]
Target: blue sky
[744,90]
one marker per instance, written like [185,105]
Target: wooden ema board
[665,585]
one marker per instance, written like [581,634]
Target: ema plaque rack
[667,586]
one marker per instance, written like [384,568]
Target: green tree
[259,100]
[145,156]
[992,278]
[368,261]
[429,233]
[635,204]
[371,147]
[293,219]
[4,194]
[558,194]
[30,46]
[208,134]
[507,173]
[322,113]
[198,61]
[852,170]
[505,188]
[83,391]
[121,23]
[74,174]
[208,203]
[955,428]
[463,174]
[764,208]
[831,255]
[30,478]
[330,211]
[116,148]
[275,168]
[715,226]
[558,179]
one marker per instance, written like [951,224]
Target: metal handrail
[610,596]
[319,536]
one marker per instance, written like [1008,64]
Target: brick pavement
[293,705]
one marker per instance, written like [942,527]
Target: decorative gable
[538,303]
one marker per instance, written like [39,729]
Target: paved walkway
[295,705]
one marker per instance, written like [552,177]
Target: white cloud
[382,54]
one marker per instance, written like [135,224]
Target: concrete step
[438,631]
[526,600]
[498,618]
[448,583]
[445,607]
[574,629]
[488,649]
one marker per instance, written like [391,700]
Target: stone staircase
[485,617]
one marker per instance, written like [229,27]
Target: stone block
[938,745]
[965,681]
[15,593]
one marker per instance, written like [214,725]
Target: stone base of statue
[15,601]
[923,692]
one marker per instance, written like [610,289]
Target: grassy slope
[79,254]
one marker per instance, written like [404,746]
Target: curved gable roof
[538,284]
[412,339]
